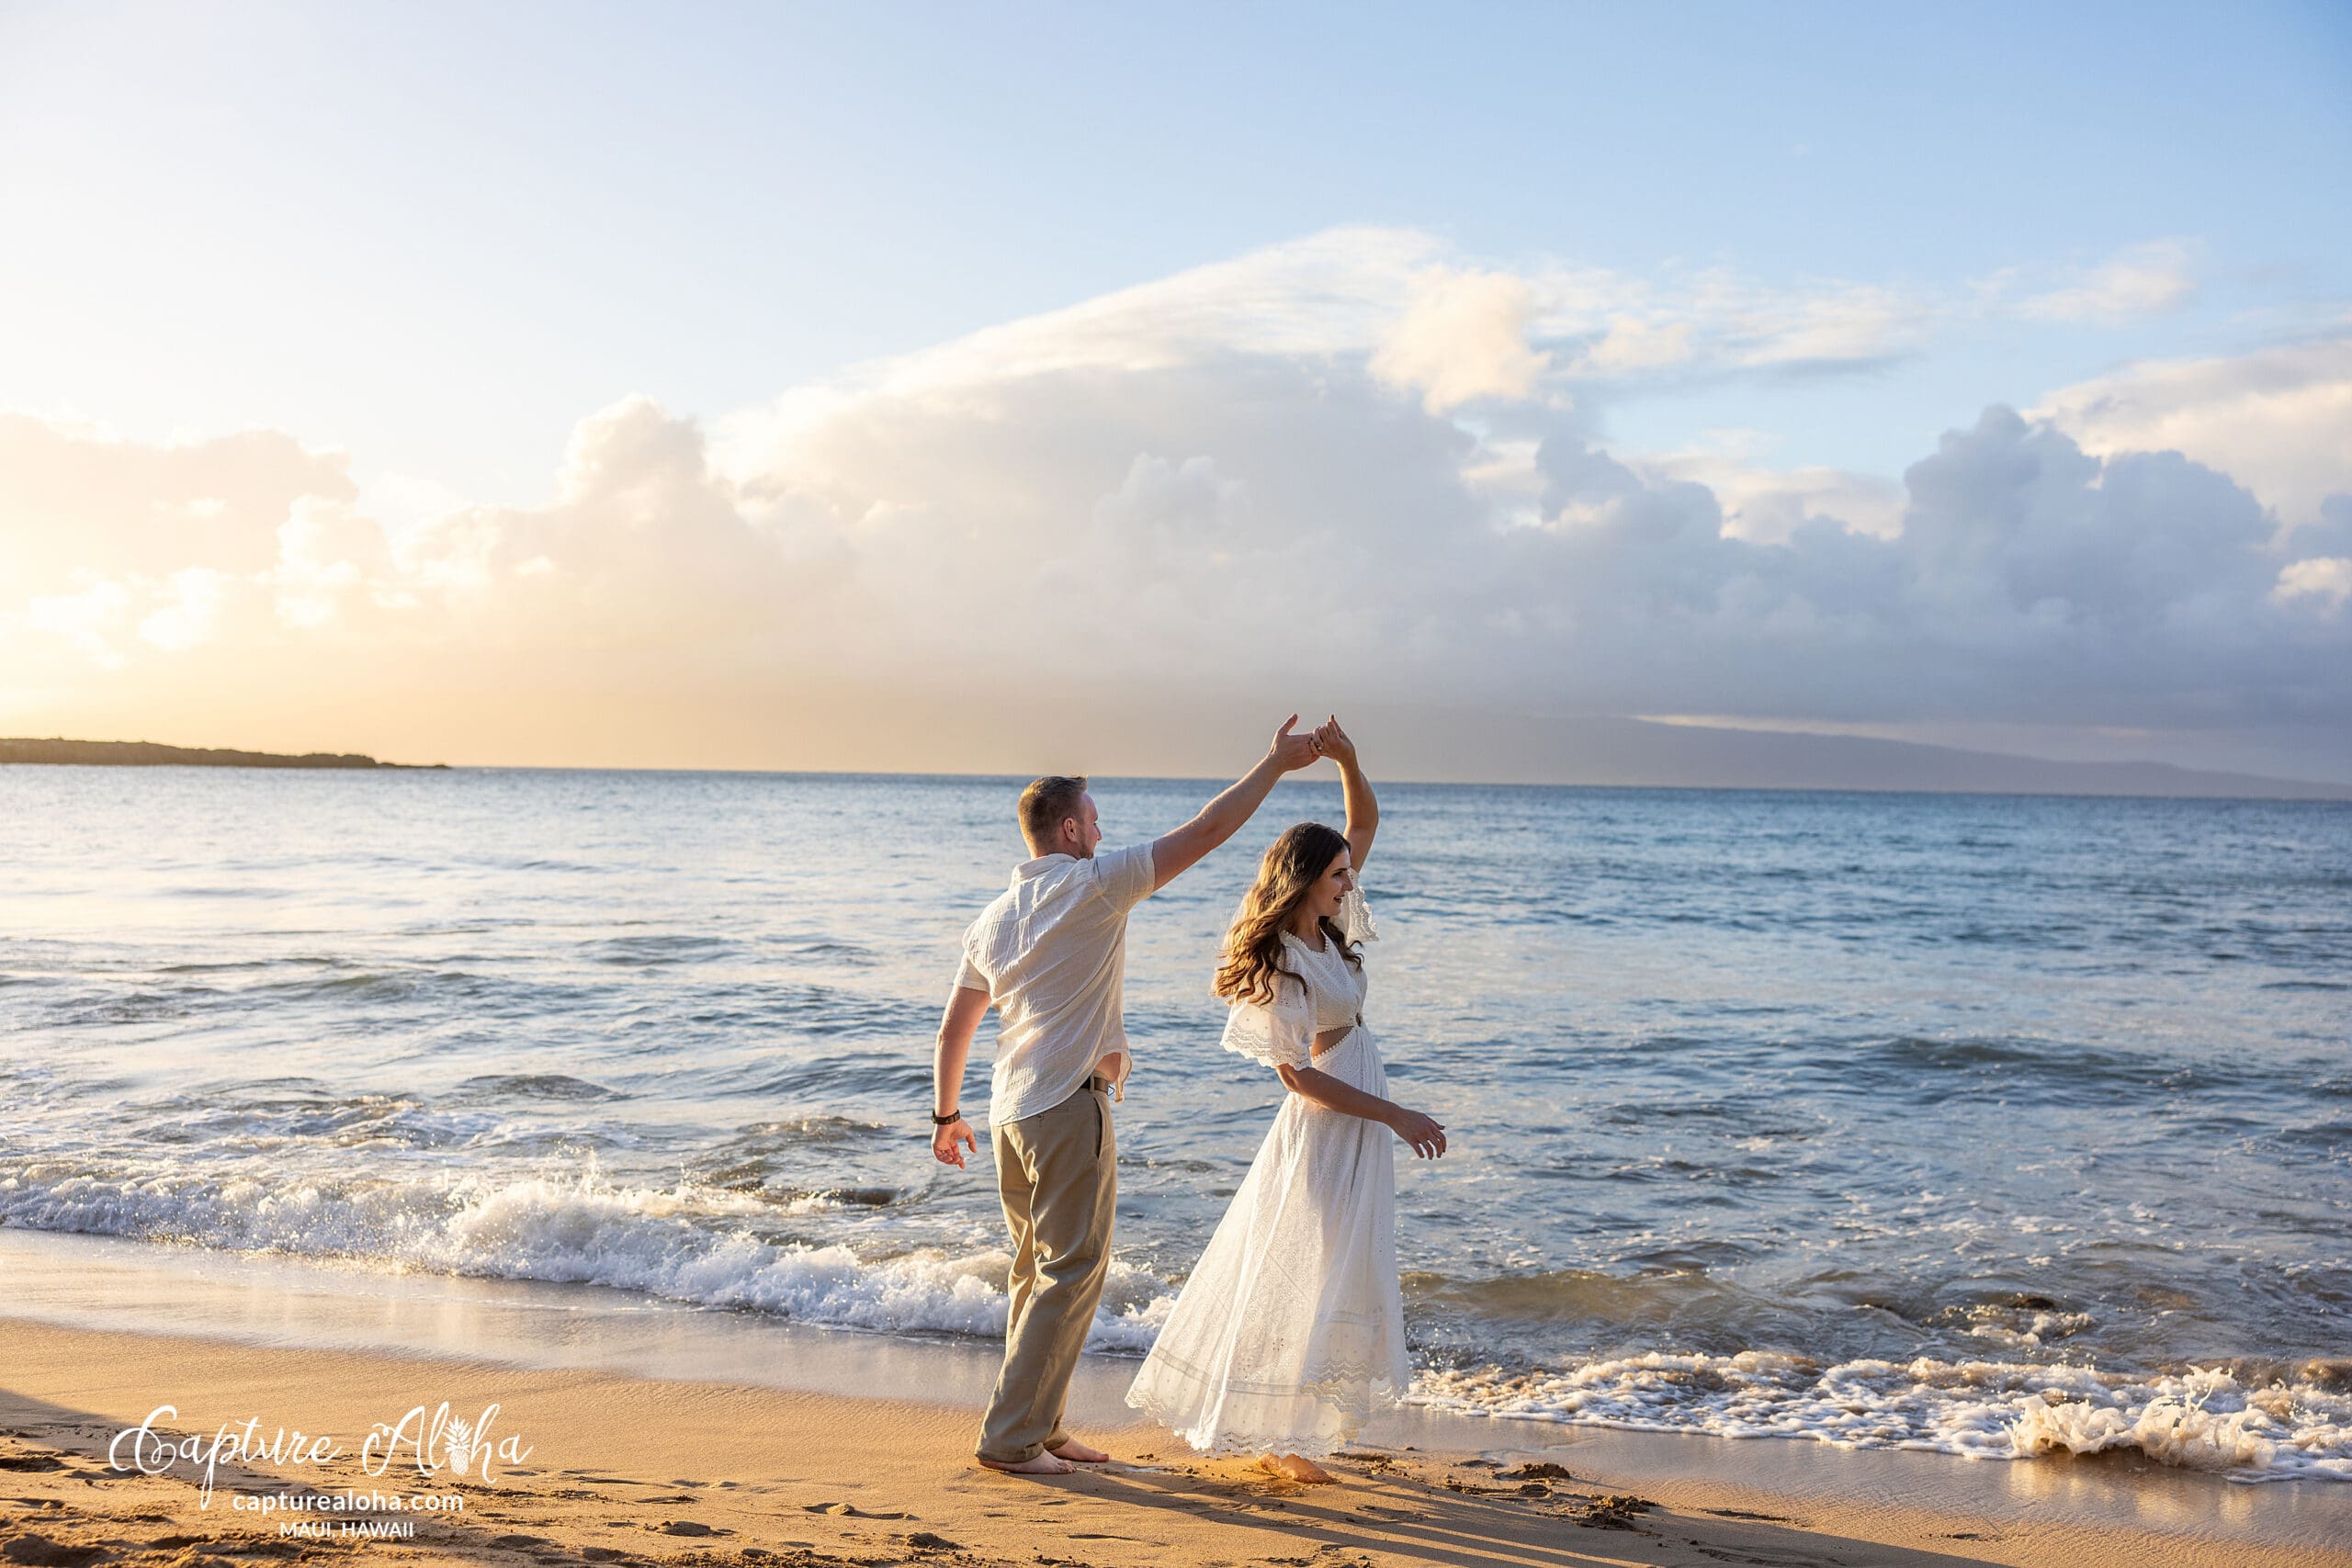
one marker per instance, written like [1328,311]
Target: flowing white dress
[1292,1327]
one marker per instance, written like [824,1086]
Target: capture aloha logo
[433,1444]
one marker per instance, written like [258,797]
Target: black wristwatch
[949,1120]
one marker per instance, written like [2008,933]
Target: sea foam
[689,1243]
[2202,1419]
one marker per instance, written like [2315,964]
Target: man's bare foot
[1036,1464]
[1080,1454]
[1298,1467]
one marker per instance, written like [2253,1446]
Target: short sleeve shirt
[1052,950]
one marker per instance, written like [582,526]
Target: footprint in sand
[687,1527]
[40,1551]
[849,1511]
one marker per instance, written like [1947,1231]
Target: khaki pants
[1057,1174]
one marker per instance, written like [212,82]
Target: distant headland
[147,754]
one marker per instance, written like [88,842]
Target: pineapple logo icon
[458,1438]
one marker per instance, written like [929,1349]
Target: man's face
[1090,828]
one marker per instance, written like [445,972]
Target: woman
[1292,1323]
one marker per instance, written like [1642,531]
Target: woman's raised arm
[1364,810]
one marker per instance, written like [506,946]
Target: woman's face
[1323,898]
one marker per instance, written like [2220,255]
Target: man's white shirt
[1052,950]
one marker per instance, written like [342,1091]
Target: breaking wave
[690,1243]
[2297,1426]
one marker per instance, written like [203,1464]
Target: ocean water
[2003,1126]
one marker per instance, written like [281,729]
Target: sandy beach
[795,1446]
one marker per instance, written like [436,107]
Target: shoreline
[774,1419]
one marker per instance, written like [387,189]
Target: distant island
[147,754]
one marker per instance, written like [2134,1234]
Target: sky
[940,386]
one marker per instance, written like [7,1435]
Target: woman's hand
[1333,742]
[1291,752]
[944,1139]
[1427,1136]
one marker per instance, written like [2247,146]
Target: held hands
[1333,742]
[1326,740]
[1293,752]
[1428,1137]
[944,1139]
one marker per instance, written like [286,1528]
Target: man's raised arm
[1173,854]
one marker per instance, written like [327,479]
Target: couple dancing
[1292,1322]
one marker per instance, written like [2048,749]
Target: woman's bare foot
[1080,1454]
[1297,1467]
[1036,1464]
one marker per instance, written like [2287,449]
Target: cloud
[80,501]
[1634,343]
[1766,506]
[1463,336]
[189,610]
[2278,418]
[2146,280]
[2327,579]
[1246,480]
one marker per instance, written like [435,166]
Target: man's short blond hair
[1045,804]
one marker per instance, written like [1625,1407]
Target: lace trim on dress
[1273,1036]
[1283,1033]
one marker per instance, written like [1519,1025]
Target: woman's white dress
[1292,1327]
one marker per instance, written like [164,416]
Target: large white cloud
[1352,466]
[2278,418]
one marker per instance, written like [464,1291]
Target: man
[1050,953]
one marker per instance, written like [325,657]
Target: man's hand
[1427,1136]
[1293,752]
[1333,742]
[944,1139]
[1174,853]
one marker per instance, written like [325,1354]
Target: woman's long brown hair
[1253,948]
